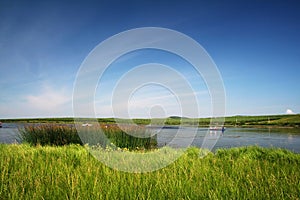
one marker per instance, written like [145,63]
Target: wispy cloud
[49,99]
[46,101]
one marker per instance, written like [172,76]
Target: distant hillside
[270,120]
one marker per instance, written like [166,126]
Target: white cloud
[289,112]
[49,99]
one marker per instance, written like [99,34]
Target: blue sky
[255,45]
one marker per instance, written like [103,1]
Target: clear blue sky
[255,45]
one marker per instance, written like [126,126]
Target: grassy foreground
[69,172]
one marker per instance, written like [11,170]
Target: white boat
[86,125]
[217,128]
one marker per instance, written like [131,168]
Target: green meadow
[70,172]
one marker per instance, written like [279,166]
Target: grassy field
[239,121]
[69,172]
[244,121]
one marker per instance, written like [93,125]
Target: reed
[130,137]
[49,134]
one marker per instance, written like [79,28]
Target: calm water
[182,137]
[232,137]
[9,133]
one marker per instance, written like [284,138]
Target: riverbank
[276,121]
[69,172]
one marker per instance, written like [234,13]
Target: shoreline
[266,121]
[22,123]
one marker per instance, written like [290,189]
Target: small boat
[0,124]
[217,128]
[86,125]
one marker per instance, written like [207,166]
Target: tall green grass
[70,172]
[130,137]
[49,134]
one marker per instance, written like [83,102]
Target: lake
[234,137]
[183,136]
